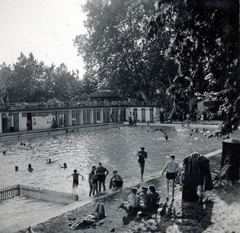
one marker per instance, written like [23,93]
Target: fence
[37,193]
[9,192]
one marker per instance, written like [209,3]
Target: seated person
[145,198]
[134,203]
[155,197]
[116,181]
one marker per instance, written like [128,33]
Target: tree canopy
[205,47]
[28,80]
[116,50]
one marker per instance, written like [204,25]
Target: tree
[5,75]
[204,46]
[116,50]
[31,81]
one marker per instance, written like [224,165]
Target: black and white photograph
[119,116]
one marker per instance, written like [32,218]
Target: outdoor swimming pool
[116,147]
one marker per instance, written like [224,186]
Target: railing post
[18,188]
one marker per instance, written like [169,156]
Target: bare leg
[104,187]
[101,210]
[95,189]
[97,208]
[91,190]
[199,193]
[172,185]
[167,188]
[141,165]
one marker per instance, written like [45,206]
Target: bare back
[171,166]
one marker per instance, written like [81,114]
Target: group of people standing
[97,178]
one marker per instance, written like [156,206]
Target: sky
[45,28]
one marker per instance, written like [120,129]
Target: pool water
[115,147]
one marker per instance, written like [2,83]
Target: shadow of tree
[231,192]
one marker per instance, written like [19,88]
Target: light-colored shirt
[134,200]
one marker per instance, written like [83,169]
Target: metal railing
[37,193]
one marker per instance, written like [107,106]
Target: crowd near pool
[116,147]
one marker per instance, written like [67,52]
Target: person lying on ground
[88,220]
[116,181]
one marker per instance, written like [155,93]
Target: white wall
[42,122]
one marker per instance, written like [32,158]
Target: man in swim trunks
[102,173]
[173,170]
[116,181]
[142,155]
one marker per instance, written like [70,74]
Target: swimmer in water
[64,166]
[165,136]
[49,160]
[30,169]
[75,176]
[158,129]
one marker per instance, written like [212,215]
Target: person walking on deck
[142,155]
[173,170]
[102,173]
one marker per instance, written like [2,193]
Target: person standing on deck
[142,155]
[92,179]
[173,170]
[102,173]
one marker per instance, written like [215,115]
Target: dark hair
[152,189]
[134,190]
[75,170]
